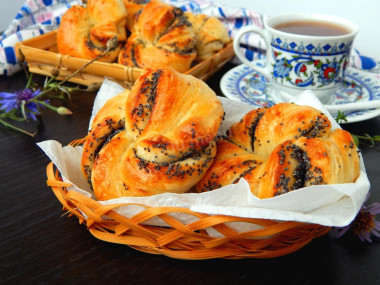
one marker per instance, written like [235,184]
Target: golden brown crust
[210,34]
[331,159]
[85,30]
[114,107]
[281,149]
[107,122]
[133,12]
[231,163]
[166,143]
[261,130]
[161,37]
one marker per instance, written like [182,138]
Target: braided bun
[281,149]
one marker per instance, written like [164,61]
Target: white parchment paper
[329,205]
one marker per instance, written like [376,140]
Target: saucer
[241,83]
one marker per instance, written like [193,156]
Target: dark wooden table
[39,245]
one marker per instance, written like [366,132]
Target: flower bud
[54,72]
[112,43]
[64,111]
[93,87]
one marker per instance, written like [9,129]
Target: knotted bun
[85,30]
[281,149]
[210,34]
[261,130]
[164,142]
[161,37]
[133,12]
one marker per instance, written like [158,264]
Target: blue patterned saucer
[241,83]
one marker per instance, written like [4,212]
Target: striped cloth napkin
[37,17]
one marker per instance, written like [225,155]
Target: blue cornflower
[12,101]
[365,224]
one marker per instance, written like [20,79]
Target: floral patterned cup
[297,62]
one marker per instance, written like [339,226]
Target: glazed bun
[210,34]
[281,149]
[161,37]
[133,12]
[151,35]
[85,30]
[164,142]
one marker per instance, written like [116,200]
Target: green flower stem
[17,129]
[29,81]
[48,106]
[23,110]
[50,80]
[376,139]
[12,116]
[58,97]
[109,48]
[371,146]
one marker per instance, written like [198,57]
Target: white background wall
[366,13]
[8,11]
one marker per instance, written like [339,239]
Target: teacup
[304,51]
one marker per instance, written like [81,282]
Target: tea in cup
[304,52]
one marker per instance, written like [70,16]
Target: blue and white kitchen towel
[37,17]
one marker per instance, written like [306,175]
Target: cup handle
[264,34]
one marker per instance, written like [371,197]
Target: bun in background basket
[85,30]
[210,35]
[162,36]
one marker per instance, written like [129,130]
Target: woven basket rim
[42,58]
[178,240]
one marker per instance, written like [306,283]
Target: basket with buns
[170,168]
[146,35]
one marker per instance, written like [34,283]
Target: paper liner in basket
[328,205]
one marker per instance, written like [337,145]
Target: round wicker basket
[178,240]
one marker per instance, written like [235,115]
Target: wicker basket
[178,240]
[42,57]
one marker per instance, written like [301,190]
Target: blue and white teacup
[297,60]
